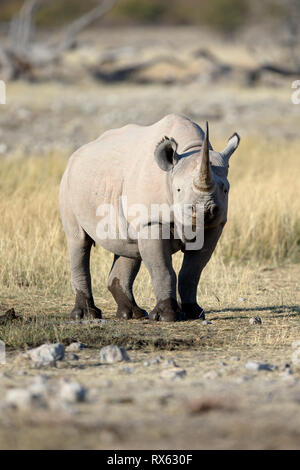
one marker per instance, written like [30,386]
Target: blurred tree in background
[220,15]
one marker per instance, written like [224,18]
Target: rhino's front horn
[204,180]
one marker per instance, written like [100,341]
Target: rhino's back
[121,162]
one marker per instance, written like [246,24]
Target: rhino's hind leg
[79,249]
[120,282]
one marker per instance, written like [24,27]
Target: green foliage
[144,11]
[220,15]
[224,15]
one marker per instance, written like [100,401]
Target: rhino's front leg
[189,275]
[120,282]
[157,257]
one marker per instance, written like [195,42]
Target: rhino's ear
[166,153]
[231,146]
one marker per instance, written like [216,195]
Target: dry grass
[263,230]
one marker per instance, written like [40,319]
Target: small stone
[23,399]
[287,372]
[75,347]
[173,374]
[127,370]
[242,299]
[296,344]
[3,148]
[296,357]
[153,361]
[256,366]
[72,392]
[47,354]
[169,362]
[71,357]
[255,321]
[206,322]
[113,353]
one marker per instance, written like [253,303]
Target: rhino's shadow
[280,311]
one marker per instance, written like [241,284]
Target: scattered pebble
[127,370]
[173,374]
[72,392]
[154,360]
[75,347]
[242,299]
[47,354]
[24,399]
[113,353]
[296,357]
[3,148]
[255,366]
[71,357]
[206,322]
[255,321]
[287,372]
[169,363]
[296,344]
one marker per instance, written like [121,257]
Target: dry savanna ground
[218,402]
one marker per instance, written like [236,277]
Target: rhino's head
[199,176]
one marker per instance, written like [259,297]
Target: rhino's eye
[178,189]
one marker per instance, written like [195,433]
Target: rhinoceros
[169,162]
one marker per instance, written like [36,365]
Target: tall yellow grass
[263,225]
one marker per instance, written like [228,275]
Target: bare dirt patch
[218,402]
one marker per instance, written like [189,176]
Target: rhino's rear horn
[204,180]
[166,153]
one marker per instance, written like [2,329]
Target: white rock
[127,370]
[296,357]
[296,344]
[113,353]
[47,354]
[3,148]
[173,374]
[23,399]
[255,321]
[152,361]
[72,392]
[255,366]
[206,322]
[71,357]
[169,362]
[75,347]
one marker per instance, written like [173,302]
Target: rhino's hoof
[166,310]
[78,313]
[136,313]
[193,312]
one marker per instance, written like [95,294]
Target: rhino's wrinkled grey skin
[168,162]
